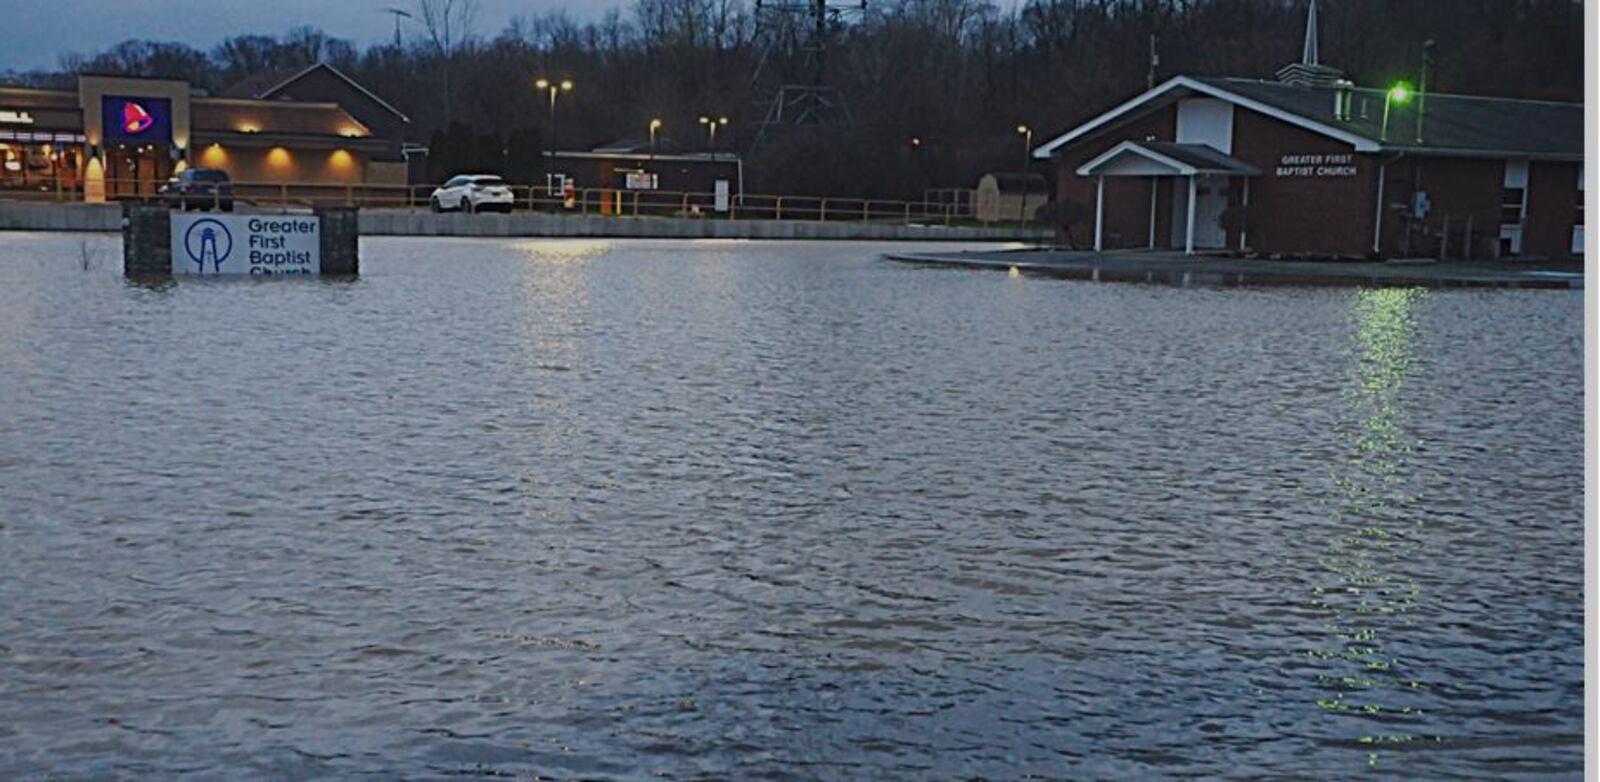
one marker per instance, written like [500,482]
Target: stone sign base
[147,240]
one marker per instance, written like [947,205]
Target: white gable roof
[1147,158]
[1177,83]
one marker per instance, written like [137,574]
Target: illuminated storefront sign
[10,117]
[141,120]
[135,119]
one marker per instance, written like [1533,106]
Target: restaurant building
[116,137]
[1309,164]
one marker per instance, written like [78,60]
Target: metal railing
[285,196]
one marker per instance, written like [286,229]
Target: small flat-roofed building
[1310,164]
[631,165]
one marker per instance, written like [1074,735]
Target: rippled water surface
[621,509]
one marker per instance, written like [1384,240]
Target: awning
[1162,159]
[1165,158]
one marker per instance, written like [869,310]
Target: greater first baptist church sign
[1317,166]
[246,245]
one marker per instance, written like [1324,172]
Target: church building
[1310,164]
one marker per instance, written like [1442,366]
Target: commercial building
[116,137]
[1310,164]
[400,162]
[632,165]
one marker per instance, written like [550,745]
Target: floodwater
[611,509]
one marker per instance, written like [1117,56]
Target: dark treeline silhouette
[959,75]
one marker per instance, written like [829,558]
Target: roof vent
[1302,75]
[1343,96]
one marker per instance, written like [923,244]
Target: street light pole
[655,125]
[1027,149]
[712,124]
[555,88]
[1400,93]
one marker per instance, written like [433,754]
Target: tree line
[934,89]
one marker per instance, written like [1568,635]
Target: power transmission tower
[398,14]
[793,36]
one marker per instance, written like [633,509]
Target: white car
[473,193]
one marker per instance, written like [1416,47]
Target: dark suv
[199,188]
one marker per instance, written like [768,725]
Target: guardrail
[583,201]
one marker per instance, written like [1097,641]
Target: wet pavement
[1178,269]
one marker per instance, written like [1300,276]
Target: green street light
[1400,93]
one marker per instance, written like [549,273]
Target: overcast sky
[33,33]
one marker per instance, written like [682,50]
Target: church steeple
[1310,72]
[1309,56]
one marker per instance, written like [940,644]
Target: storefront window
[34,166]
[10,161]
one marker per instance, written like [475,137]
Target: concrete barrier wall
[398,223]
[22,216]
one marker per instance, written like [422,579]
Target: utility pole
[1027,150]
[1155,61]
[1428,48]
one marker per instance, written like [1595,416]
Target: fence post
[822,211]
[349,195]
[778,209]
[866,210]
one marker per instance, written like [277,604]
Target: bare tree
[936,87]
[449,25]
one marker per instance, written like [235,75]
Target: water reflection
[1367,590]
[628,509]
[556,298]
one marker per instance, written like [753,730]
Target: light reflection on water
[1370,594]
[735,509]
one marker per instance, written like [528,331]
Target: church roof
[1453,125]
